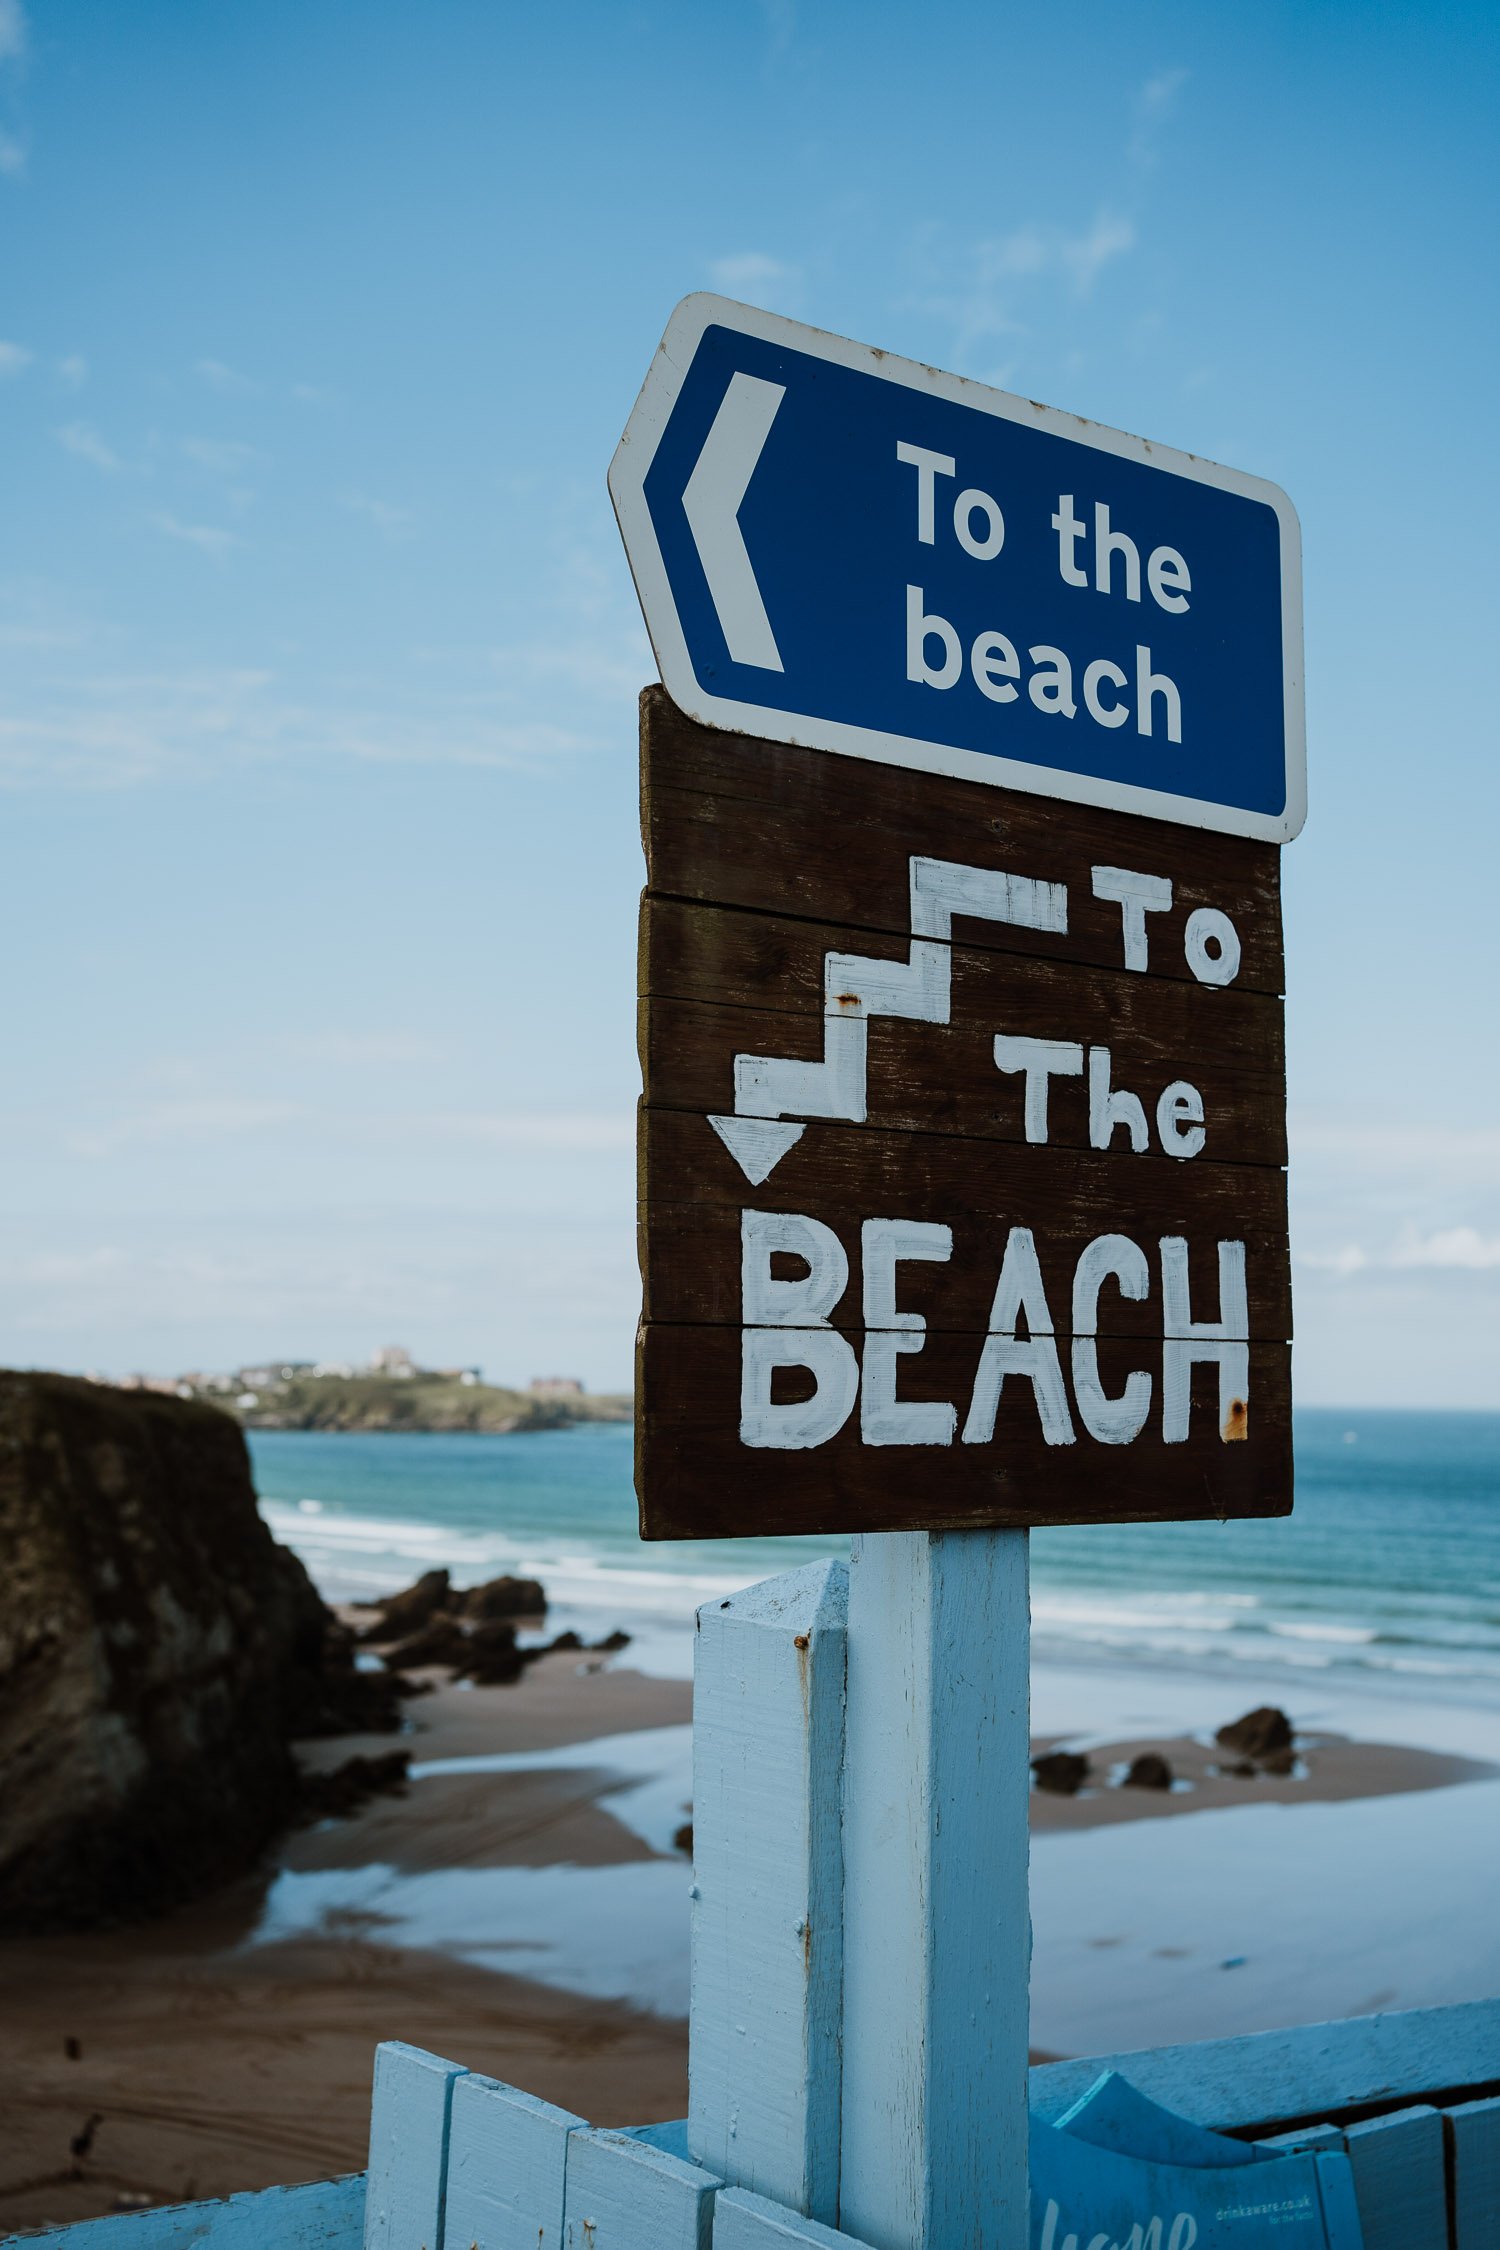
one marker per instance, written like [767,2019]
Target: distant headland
[391,1392]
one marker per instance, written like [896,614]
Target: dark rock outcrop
[349,1787]
[441,1640]
[505,1597]
[1148,1770]
[1262,1734]
[407,1612]
[491,1657]
[158,1653]
[1062,1773]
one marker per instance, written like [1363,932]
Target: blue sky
[318,653]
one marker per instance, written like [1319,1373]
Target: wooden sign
[961,1153]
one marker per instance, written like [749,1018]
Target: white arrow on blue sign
[853,552]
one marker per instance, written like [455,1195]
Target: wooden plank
[1400,2181]
[320,2215]
[735,820]
[1474,2148]
[1310,2137]
[767,1931]
[937,1942]
[1270,2079]
[624,2195]
[507,2161]
[690,1222]
[697,1480]
[942,1077]
[410,2112]
[749,2222]
[671,2135]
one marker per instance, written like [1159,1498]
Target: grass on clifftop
[418,1402]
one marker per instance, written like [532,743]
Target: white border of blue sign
[627,478]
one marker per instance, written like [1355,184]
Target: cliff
[158,1651]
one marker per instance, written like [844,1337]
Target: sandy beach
[213,2061]
[522,1907]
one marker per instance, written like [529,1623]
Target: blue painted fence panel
[507,2162]
[409,2117]
[1276,2077]
[323,2215]
[748,2222]
[1400,2181]
[1474,2137]
[624,2195]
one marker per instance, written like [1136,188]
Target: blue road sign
[850,551]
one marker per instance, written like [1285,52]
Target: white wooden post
[768,1745]
[937,1938]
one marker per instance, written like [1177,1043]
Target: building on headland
[555,1386]
[393,1359]
[262,1383]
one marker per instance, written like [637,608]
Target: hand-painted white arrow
[712,501]
[855,988]
[757,1144]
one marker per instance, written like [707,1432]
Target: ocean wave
[1312,1603]
[1352,1635]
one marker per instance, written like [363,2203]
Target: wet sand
[214,2064]
[229,2046]
[1329,1769]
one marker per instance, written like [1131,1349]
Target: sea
[1385,1577]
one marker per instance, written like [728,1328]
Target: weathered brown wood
[696,1480]
[942,1078]
[733,820]
[777,877]
[693,1194]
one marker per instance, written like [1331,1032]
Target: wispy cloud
[1085,256]
[120,730]
[752,273]
[13,43]
[207,1119]
[607,665]
[14,358]
[1451,1154]
[390,521]
[577,1131]
[73,372]
[1462,1249]
[224,456]
[219,376]
[1153,105]
[1450,1250]
[208,538]
[83,441]
[781,27]
[991,282]
[332,1286]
